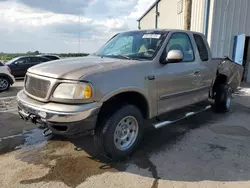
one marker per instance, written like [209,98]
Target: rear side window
[51,57]
[39,59]
[201,47]
[42,59]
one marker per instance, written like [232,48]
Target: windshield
[133,45]
[11,61]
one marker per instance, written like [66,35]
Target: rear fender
[7,76]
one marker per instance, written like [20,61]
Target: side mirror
[16,63]
[173,56]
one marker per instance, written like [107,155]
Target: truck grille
[36,86]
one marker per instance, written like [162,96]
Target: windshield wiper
[127,57]
[122,56]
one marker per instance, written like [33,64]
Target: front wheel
[223,98]
[119,135]
[4,84]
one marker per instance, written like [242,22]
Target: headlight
[73,91]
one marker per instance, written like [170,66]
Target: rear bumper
[62,119]
[12,79]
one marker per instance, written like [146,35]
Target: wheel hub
[126,133]
[228,102]
[3,84]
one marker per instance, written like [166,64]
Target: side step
[164,123]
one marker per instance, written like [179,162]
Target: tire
[4,84]
[110,136]
[222,98]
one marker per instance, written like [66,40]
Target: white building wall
[148,21]
[169,17]
[180,16]
[197,16]
[210,21]
[230,18]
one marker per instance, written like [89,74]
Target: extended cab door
[208,68]
[177,83]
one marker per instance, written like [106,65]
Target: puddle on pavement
[65,164]
[142,160]
[231,130]
[26,138]
[67,160]
[10,144]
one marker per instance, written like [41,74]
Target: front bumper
[65,119]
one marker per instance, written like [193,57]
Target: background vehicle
[6,78]
[20,65]
[137,75]
[49,56]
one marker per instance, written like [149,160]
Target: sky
[55,26]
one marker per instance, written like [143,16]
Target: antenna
[79,34]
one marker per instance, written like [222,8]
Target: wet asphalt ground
[205,150]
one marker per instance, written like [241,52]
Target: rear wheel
[4,84]
[119,135]
[223,98]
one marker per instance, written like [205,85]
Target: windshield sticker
[151,36]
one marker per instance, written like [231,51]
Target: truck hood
[75,68]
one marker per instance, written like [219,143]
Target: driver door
[177,82]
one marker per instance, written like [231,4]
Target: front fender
[126,90]
[123,90]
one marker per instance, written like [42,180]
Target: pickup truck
[136,76]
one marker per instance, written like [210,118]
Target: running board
[165,123]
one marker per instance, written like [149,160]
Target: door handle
[151,77]
[196,72]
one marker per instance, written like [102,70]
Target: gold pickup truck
[136,75]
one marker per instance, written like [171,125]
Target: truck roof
[165,31]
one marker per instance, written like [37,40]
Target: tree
[36,52]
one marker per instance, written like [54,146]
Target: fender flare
[126,90]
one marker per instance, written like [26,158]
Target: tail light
[9,69]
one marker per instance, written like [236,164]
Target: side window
[28,60]
[40,60]
[182,42]
[20,61]
[36,60]
[31,60]
[52,57]
[201,47]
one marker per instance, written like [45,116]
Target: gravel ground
[205,150]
